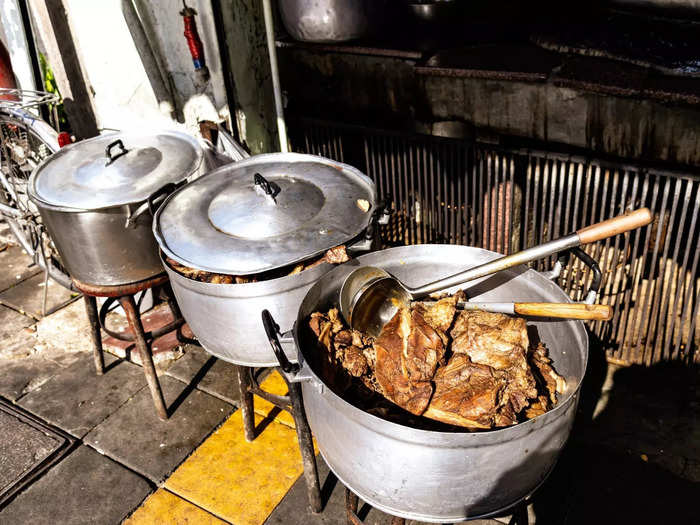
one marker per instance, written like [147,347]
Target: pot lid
[264,212]
[114,169]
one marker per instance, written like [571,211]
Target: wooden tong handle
[620,224]
[591,312]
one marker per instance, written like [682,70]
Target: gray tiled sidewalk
[134,436]
[85,487]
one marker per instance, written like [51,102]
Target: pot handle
[563,260]
[151,205]
[272,330]
[108,151]
[380,217]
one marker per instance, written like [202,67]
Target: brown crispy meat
[544,371]
[407,356]
[468,390]
[347,349]
[337,255]
[467,368]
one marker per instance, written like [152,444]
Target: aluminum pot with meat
[448,414]
[257,235]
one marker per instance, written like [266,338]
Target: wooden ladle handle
[620,224]
[588,312]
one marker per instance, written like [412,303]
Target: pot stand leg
[293,404]
[129,305]
[244,374]
[93,319]
[306,446]
[352,502]
[519,516]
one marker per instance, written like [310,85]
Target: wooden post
[245,58]
[53,24]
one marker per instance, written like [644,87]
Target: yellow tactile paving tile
[165,507]
[239,481]
[274,384]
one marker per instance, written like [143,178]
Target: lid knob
[108,151]
[270,189]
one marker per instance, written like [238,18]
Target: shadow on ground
[634,452]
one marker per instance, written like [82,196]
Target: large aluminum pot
[326,20]
[440,477]
[97,198]
[226,223]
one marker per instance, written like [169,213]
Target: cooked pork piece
[501,342]
[545,373]
[398,367]
[471,369]
[441,313]
[466,393]
[538,407]
[348,348]
[336,255]
[489,339]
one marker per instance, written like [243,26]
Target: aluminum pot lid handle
[108,151]
[269,189]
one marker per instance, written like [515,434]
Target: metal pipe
[277,90]
[10,211]
[160,87]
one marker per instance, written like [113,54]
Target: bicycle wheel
[25,141]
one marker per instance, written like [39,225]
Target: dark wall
[394,93]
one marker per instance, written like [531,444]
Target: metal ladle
[370,297]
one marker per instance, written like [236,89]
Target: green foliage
[51,86]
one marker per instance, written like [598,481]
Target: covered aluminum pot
[259,215]
[440,477]
[97,197]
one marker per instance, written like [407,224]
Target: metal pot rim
[249,287]
[67,209]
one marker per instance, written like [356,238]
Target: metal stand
[124,294]
[293,404]
[352,503]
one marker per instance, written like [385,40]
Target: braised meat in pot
[337,255]
[470,369]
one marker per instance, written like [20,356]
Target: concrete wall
[123,96]
[246,47]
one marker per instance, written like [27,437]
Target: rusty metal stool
[292,403]
[124,294]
